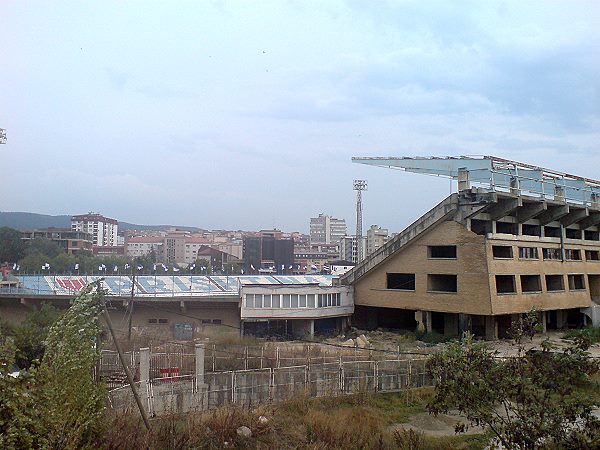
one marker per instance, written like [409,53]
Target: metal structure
[497,174]
[359,186]
[2,136]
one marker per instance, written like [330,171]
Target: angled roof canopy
[498,174]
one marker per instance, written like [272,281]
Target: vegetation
[58,404]
[12,248]
[590,335]
[538,399]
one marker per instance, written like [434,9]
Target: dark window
[442,251]
[576,282]
[590,235]
[401,281]
[555,283]
[507,228]
[442,283]
[552,232]
[552,254]
[531,283]
[505,284]
[152,320]
[528,253]
[592,255]
[572,234]
[532,230]
[481,227]
[502,251]
[217,321]
[573,254]
[205,320]
[163,320]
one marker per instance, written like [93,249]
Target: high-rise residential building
[325,229]
[269,252]
[376,237]
[349,248]
[103,229]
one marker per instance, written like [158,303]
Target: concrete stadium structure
[514,237]
[181,306]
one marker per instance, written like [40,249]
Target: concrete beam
[553,213]
[530,211]
[504,208]
[590,221]
[574,216]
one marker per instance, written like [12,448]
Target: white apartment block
[376,237]
[103,229]
[349,248]
[326,229]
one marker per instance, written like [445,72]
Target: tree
[43,247]
[30,335]
[535,399]
[13,247]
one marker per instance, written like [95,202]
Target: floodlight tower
[2,136]
[359,186]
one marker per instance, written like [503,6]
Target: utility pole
[126,368]
[359,186]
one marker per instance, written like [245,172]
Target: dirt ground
[442,425]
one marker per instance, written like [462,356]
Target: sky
[245,115]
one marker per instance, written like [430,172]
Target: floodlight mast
[2,136]
[359,186]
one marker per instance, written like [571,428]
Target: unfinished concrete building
[514,237]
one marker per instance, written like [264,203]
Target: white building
[376,237]
[326,229]
[103,229]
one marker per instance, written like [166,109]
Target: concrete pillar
[493,226]
[559,193]
[544,320]
[420,321]
[428,321]
[463,179]
[311,328]
[199,364]
[561,319]
[451,325]
[491,328]
[144,364]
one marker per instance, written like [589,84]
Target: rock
[244,431]
[262,420]
[362,341]
[348,343]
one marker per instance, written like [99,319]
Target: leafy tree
[532,400]
[30,335]
[70,400]
[12,247]
[43,246]
[203,263]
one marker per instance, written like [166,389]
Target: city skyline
[237,115]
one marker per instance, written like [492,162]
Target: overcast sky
[245,114]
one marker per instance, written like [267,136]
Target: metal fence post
[214,350]
[233,381]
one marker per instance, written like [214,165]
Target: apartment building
[325,229]
[349,248]
[376,237]
[102,229]
[72,242]
[514,238]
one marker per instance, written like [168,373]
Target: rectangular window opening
[528,253]
[590,235]
[572,254]
[531,230]
[442,283]
[401,281]
[531,283]
[505,284]
[507,228]
[552,254]
[481,227]
[592,255]
[502,251]
[572,233]
[576,282]
[552,232]
[442,251]
[555,283]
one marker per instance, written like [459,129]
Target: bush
[589,336]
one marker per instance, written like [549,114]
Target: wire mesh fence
[250,387]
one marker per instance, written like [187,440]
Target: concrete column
[544,320]
[420,321]
[199,364]
[311,328]
[561,319]
[144,364]
[491,328]
[493,226]
[463,179]
[428,321]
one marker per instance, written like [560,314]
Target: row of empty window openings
[484,227]
[292,300]
[435,282]
[506,284]
[166,321]
[506,251]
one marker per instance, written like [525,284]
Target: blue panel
[442,166]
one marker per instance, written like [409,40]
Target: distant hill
[30,221]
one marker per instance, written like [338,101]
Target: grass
[360,421]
